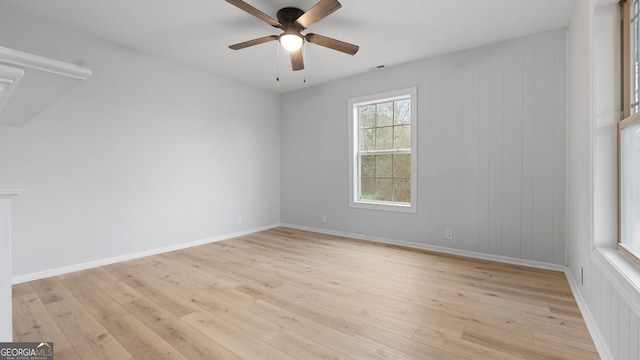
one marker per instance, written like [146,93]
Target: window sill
[383,206]
[623,273]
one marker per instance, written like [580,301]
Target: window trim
[354,176]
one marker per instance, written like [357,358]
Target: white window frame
[627,238]
[354,164]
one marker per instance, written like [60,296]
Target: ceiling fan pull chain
[278,62]
[304,71]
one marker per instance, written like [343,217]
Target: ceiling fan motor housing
[287,17]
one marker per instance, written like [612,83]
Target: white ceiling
[197,32]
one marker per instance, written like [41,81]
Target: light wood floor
[288,294]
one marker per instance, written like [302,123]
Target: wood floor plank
[495,303]
[22,289]
[459,347]
[234,338]
[133,335]
[351,309]
[408,347]
[285,318]
[358,347]
[122,293]
[90,339]
[69,354]
[199,273]
[514,347]
[101,277]
[187,340]
[32,322]
[50,290]
[582,349]
[291,294]
[322,316]
[153,288]
[301,347]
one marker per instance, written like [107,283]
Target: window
[629,131]
[382,143]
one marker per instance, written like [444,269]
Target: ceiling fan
[293,21]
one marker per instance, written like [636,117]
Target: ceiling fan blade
[297,63]
[334,44]
[257,41]
[319,11]
[255,12]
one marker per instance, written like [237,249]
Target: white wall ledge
[24,60]
[31,83]
[9,193]
[622,272]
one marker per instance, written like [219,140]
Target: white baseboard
[414,245]
[594,330]
[102,262]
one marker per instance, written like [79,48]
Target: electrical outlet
[324,219]
[238,220]
[448,235]
[581,275]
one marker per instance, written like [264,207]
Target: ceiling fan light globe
[291,42]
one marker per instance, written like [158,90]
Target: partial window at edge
[629,131]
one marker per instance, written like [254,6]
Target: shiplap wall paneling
[528,146]
[484,159]
[496,114]
[452,134]
[544,125]
[617,322]
[430,127]
[512,153]
[471,146]
[560,152]
[634,334]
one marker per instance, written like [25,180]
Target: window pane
[367,116]
[368,166]
[367,188]
[630,194]
[367,139]
[402,137]
[384,189]
[402,112]
[384,114]
[384,138]
[384,165]
[402,190]
[402,166]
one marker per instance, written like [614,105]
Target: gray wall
[491,151]
[145,154]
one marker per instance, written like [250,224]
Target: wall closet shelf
[30,83]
